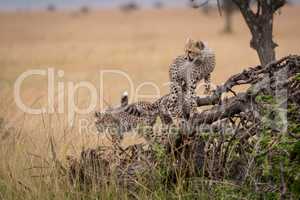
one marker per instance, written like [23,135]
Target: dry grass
[141,43]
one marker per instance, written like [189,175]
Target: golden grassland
[141,43]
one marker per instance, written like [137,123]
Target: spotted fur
[185,73]
[125,117]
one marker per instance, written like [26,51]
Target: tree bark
[259,81]
[260,25]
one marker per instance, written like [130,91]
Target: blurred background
[141,38]
[81,38]
[75,4]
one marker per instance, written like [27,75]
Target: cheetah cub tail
[125,94]
[124,99]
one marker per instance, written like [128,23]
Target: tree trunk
[262,37]
[229,8]
[261,26]
[228,22]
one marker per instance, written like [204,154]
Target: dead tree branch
[260,78]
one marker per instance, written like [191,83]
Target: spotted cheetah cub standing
[185,73]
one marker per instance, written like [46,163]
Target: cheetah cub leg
[191,97]
[175,103]
[207,82]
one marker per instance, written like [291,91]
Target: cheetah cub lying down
[186,71]
[116,121]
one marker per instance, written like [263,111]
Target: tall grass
[35,158]
[28,168]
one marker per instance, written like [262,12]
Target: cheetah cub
[118,120]
[185,73]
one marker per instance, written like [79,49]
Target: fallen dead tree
[223,142]
[268,108]
[275,77]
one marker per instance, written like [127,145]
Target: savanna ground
[141,43]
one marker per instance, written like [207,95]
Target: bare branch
[258,77]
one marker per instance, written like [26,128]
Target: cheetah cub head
[107,118]
[193,49]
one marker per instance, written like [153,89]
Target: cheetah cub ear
[98,114]
[199,44]
[188,42]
